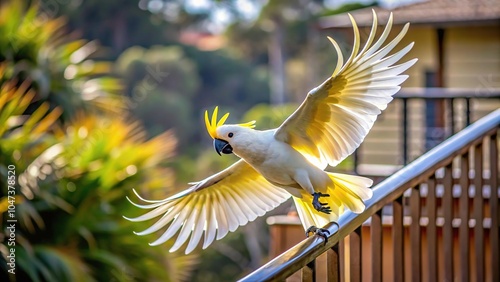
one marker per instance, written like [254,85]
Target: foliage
[74,173]
[270,116]
[347,7]
[79,182]
[170,87]
[161,82]
[131,23]
[64,72]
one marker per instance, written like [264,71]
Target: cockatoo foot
[319,206]
[322,232]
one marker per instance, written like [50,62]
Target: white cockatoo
[289,161]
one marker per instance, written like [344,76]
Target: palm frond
[65,73]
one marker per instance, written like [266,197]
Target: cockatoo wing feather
[336,116]
[211,207]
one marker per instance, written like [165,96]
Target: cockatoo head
[225,136]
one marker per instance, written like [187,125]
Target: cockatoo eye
[230,135]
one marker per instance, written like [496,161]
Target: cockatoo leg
[321,232]
[319,206]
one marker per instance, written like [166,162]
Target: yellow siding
[425,50]
[472,58]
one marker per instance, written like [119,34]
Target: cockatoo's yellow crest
[212,125]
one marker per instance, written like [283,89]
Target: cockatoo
[290,161]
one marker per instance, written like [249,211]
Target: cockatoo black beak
[222,146]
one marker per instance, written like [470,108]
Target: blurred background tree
[97,96]
[77,154]
[64,71]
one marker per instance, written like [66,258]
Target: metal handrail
[384,193]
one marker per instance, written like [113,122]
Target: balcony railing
[449,196]
[412,115]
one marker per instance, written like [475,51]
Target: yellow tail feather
[346,191]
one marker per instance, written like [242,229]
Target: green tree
[73,173]
[170,87]
[286,37]
[64,72]
[131,23]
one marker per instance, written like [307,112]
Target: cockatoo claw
[322,232]
[319,206]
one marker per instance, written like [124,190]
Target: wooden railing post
[477,213]
[494,209]
[415,235]
[432,259]
[463,235]
[447,205]
[376,230]
[333,264]
[355,269]
[308,272]
[342,262]
[397,239]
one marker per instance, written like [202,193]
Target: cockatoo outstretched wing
[212,207]
[336,116]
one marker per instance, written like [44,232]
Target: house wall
[471,56]
[471,60]
[424,49]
